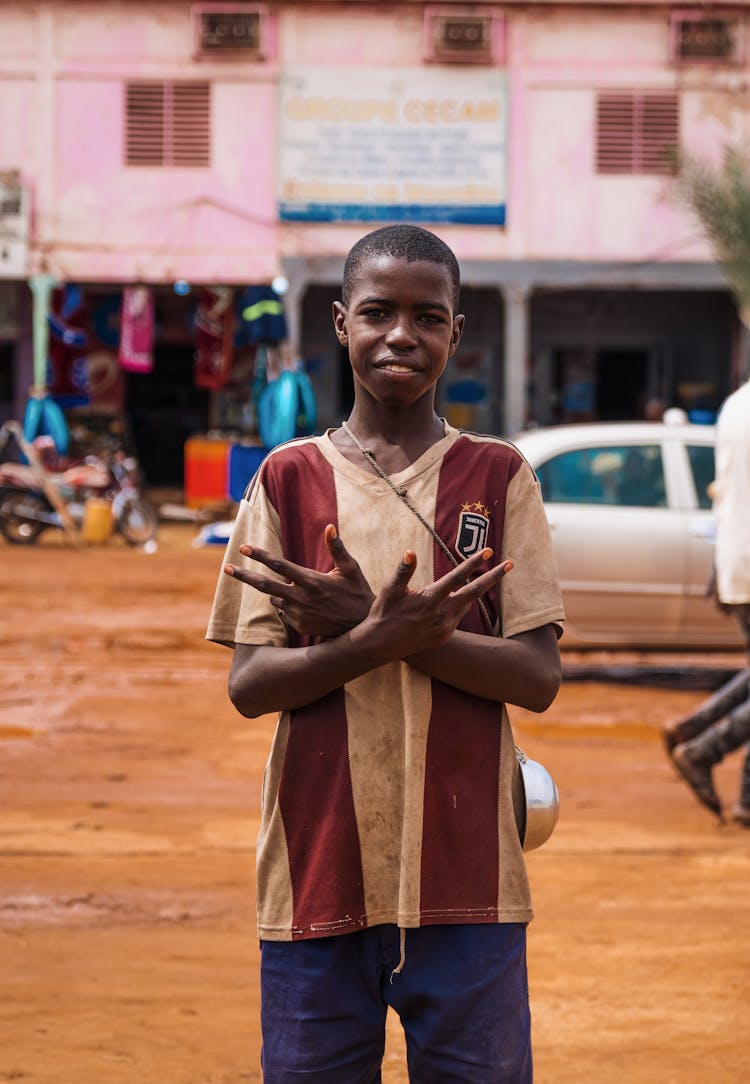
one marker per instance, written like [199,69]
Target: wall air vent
[707,37]
[229,30]
[463,35]
[168,124]
[637,132]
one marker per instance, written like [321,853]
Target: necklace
[401,494]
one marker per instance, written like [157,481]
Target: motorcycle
[35,496]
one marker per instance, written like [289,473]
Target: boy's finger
[333,541]
[331,538]
[458,576]
[406,568]
[340,556]
[482,584]
[280,565]
[261,583]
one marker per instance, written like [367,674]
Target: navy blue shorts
[462,997]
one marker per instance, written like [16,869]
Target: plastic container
[97,521]
[244,460]
[206,471]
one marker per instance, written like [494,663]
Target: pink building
[230,144]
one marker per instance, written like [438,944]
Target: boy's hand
[324,604]
[402,622]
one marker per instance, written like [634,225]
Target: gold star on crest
[479,507]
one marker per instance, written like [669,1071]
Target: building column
[293,309]
[515,357]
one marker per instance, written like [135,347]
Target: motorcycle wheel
[137,522]
[17,508]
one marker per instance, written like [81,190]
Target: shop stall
[197,382]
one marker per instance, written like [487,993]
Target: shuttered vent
[231,28]
[168,124]
[458,36]
[636,133]
[706,38]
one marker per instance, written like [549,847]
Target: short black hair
[401,242]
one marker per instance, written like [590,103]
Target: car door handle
[707,531]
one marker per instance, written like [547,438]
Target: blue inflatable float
[44,418]
[286,408]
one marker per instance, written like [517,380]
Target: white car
[633,532]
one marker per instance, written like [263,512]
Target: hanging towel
[214,337]
[136,353]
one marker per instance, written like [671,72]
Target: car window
[701,458]
[631,476]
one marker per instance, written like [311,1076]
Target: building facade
[188,145]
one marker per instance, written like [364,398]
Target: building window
[230,30]
[168,124]
[454,35]
[707,37]
[637,133]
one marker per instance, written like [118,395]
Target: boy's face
[399,328]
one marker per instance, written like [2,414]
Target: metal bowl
[542,802]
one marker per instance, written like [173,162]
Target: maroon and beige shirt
[391,799]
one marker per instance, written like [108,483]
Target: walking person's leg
[709,711]
[696,759]
[698,742]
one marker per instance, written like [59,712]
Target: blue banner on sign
[480,215]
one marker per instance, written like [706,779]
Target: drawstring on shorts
[402,950]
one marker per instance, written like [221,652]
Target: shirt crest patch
[473,528]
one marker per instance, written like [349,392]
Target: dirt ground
[130,789]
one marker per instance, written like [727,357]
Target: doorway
[621,381]
[164,408]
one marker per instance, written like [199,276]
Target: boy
[376,609]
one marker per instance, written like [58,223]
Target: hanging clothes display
[214,337]
[263,316]
[106,320]
[287,407]
[136,352]
[67,320]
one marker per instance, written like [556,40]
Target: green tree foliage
[719,196]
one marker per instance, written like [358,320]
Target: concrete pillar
[515,357]
[293,309]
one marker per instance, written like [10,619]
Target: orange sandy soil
[130,792]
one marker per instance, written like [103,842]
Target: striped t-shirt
[392,799]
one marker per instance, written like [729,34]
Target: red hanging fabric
[214,337]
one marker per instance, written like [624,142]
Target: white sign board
[393,144]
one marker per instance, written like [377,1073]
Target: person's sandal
[669,739]
[697,775]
